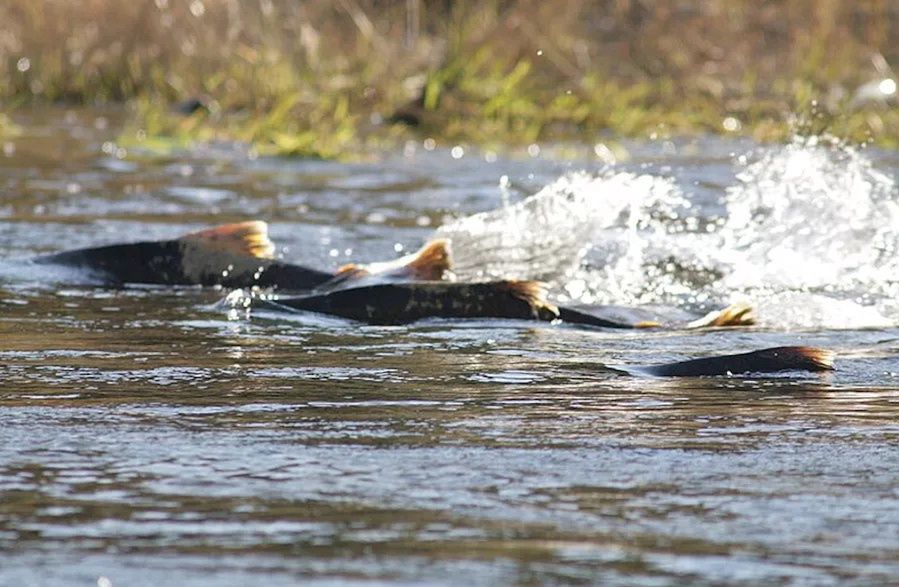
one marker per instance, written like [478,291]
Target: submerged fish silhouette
[234,256]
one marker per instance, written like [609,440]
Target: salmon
[611,316]
[238,255]
[401,303]
[773,360]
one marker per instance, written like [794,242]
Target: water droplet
[731,124]
[197,8]
[23,64]
[457,152]
[604,153]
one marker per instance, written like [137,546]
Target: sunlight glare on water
[152,435]
[809,233]
[547,234]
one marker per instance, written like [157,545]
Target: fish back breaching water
[402,303]
[614,316]
[773,360]
[231,255]
[236,255]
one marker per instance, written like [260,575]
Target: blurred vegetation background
[323,77]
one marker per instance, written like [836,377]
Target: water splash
[807,215]
[808,232]
[547,235]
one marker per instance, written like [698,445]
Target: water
[150,436]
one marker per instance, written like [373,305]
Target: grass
[330,78]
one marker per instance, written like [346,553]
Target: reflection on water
[145,435]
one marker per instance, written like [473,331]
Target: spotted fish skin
[402,303]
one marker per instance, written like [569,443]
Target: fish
[403,303]
[613,316]
[236,255]
[771,360]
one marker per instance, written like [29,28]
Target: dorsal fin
[242,238]
[534,293]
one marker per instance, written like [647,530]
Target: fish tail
[737,314]
[533,293]
[803,357]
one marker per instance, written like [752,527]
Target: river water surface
[153,436]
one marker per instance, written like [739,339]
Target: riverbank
[324,79]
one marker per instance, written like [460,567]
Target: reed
[323,77]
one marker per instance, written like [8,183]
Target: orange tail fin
[534,293]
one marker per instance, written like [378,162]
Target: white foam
[808,231]
[546,235]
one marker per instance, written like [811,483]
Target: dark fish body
[179,262]
[238,255]
[600,316]
[773,360]
[612,316]
[401,303]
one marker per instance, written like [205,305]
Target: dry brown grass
[300,75]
